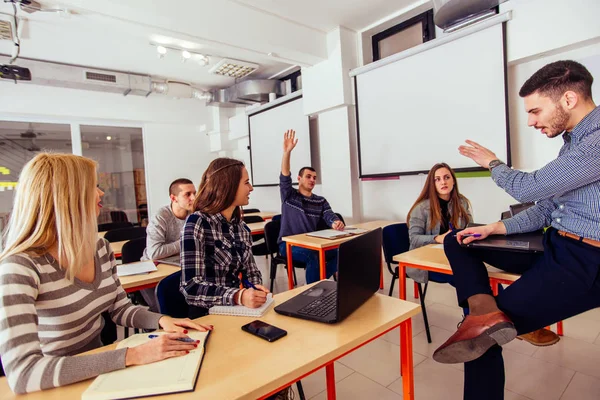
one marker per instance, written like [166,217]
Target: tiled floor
[569,370]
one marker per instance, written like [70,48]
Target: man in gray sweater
[164,230]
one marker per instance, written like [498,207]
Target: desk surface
[257,227]
[319,243]
[133,281]
[117,247]
[238,365]
[263,215]
[101,234]
[432,257]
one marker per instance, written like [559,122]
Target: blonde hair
[55,203]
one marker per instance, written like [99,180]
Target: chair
[258,249]
[119,235]
[133,250]
[322,225]
[171,301]
[271,235]
[114,225]
[250,210]
[108,334]
[276,217]
[118,216]
[396,241]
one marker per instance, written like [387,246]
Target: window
[19,143]
[403,36]
[121,176]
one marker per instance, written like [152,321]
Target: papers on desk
[335,234]
[177,374]
[438,246]
[242,311]
[137,268]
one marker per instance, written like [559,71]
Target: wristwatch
[494,163]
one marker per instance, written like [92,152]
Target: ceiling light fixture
[109,138]
[162,50]
[233,68]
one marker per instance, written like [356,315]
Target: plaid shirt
[213,253]
[567,190]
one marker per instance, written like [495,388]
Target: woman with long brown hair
[57,278]
[439,208]
[216,244]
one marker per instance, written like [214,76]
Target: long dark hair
[219,186]
[429,192]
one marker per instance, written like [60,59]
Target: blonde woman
[57,277]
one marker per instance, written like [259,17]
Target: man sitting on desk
[564,280]
[301,211]
[164,230]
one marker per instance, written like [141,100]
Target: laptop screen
[359,269]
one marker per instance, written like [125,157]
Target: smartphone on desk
[264,331]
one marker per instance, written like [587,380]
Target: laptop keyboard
[320,307]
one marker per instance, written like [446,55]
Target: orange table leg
[406,360]
[402,282]
[381,277]
[322,263]
[290,265]
[559,328]
[494,285]
[330,373]
[416,290]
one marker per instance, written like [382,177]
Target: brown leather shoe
[475,336]
[541,337]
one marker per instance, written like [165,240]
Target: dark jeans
[555,285]
[311,259]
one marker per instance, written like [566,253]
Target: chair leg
[295,279]
[422,297]
[300,390]
[416,290]
[394,277]
[273,273]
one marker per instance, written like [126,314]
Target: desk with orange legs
[322,245]
[241,366]
[432,258]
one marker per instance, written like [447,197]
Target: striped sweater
[45,320]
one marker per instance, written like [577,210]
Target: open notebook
[242,311]
[177,374]
[335,234]
[136,268]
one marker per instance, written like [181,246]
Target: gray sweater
[420,234]
[163,235]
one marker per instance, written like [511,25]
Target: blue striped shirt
[567,190]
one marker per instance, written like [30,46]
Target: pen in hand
[249,284]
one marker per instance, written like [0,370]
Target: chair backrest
[170,300]
[133,250]
[118,235]
[321,225]
[505,215]
[250,210]
[253,218]
[118,216]
[271,235]
[395,241]
[276,217]
[114,225]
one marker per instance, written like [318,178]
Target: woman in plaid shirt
[216,245]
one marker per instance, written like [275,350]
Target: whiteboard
[415,112]
[266,141]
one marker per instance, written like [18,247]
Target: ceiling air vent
[5,30]
[233,68]
[95,76]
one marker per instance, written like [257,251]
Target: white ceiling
[326,15]
[116,34]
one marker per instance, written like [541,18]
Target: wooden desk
[117,247]
[322,245]
[432,258]
[263,215]
[257,228]
[240,366]
[101,234]
[133,283]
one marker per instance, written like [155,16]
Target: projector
[14,73]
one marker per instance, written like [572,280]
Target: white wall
[173,144]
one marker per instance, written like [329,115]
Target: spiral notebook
[177,374]
[242,311]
